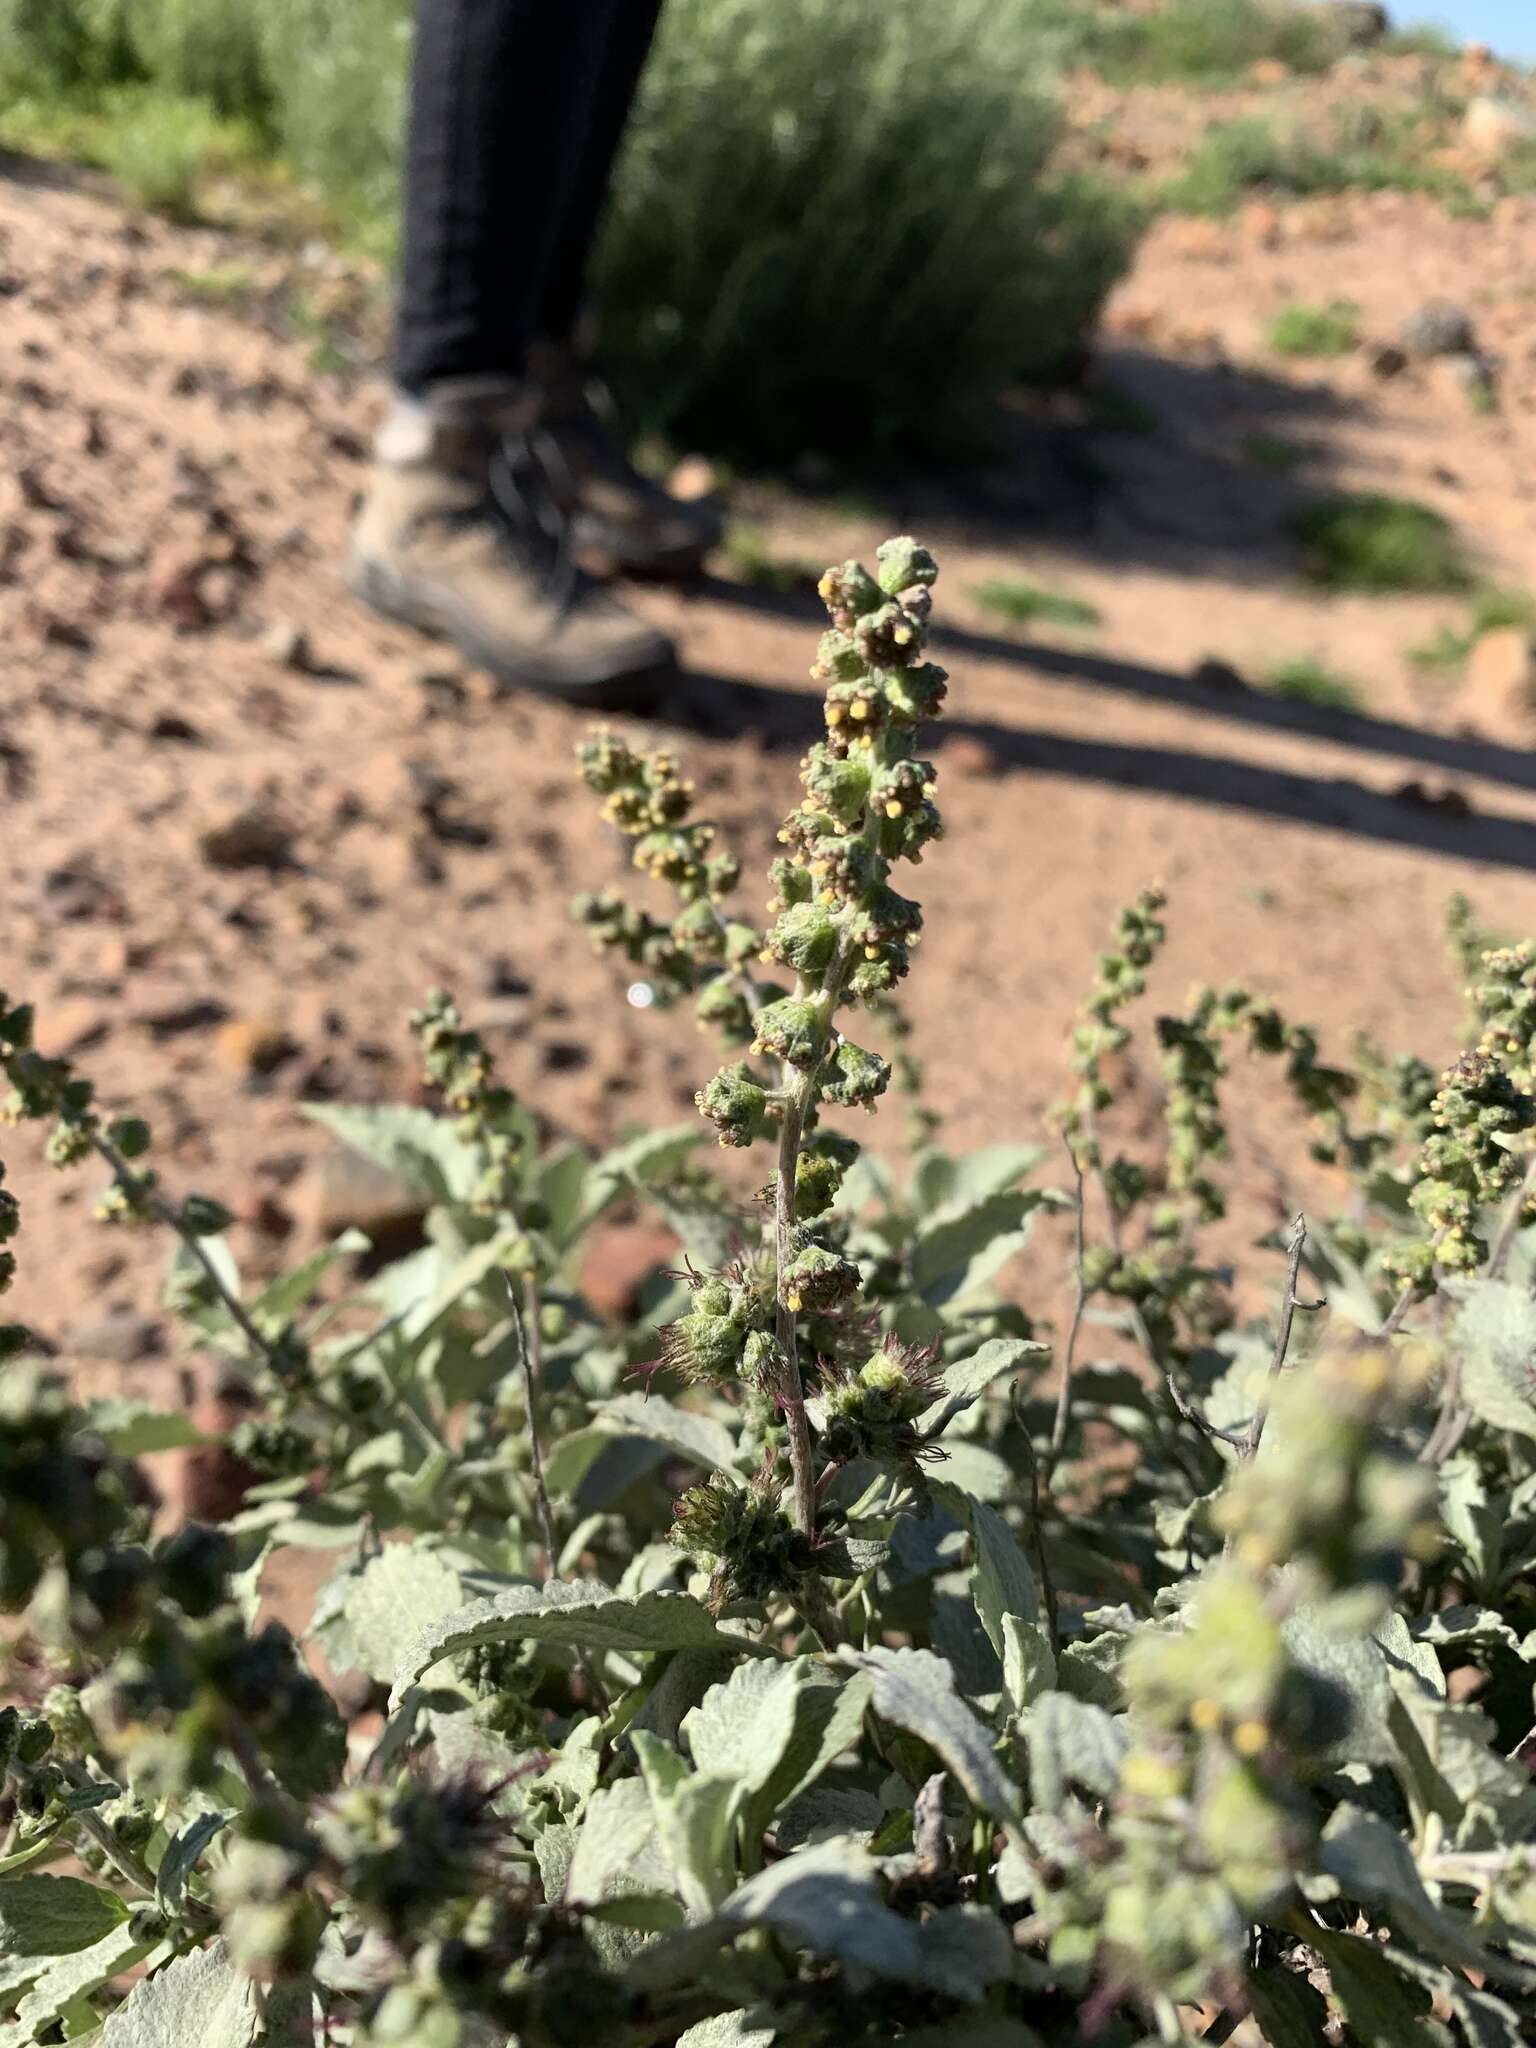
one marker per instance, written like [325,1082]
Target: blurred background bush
[839,225]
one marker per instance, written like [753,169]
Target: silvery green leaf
[65,1978]
[1494,1340]
[1029,1665]
[968,1379]
[562,1183]
[586,1613]
[382,1609]
[283,1297]
[54,1916]
[1002,1581]
[1383,2011]
[777,1727]
[695,1815]
[133,1429]
[726,2030]
[827,1811]
[640,1162]
[1486,2020]
[699,1439]
[1372,1862]
[1409,1658]
[617,1847]
[978,1471]
[962,1951]
[421,1148]
[1466,1627]
[915,1690]
[1290,2012]
[1475,1520]
[1071,1743]
[181,1856]
[1355,1665]
[198,2000]
[992,1170]
[967,1242]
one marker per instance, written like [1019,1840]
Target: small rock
[247,835]
[169,1012]
[502,978]
[70,1027]
[343,1191]
[1495,127]
[122,1337]
[179,595]
[1388,362]
[565,1056]
[1360,22]
[968,756]
[170,726]
[287,645]
[1498,692]
[250,1046]
[1216,675]
[693,478]
[1448,803]
[1439,329]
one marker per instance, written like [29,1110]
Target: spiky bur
[753,1550]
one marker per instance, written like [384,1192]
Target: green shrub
[856,1681]
[161,149]
[1305,680]
[1028,604]
[1331,330]
[1196,42]
[1491,608]
[1377,543]
[877,196]
[1365,152]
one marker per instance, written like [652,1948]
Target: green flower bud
[201,1216]
[130,1135]
[723,1005]
[848,592]
[854,1078]
[901,564]
[817,1279]
[793,1030]
[736,1105]
[805,939]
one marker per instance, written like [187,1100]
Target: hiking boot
[623,519]
[463,533]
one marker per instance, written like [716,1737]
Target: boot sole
[436,612]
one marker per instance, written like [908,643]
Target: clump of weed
[1372,542]
[1303,330]
[1274,454]
[1303,679]
[1032,604]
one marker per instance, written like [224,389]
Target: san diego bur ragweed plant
[820,1657]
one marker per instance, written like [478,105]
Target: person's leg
[626,45]
[503,95]
[461,531]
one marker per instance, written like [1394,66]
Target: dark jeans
[517,109]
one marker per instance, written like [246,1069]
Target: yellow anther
[792,1303]
[834,714]
[859,708]
[783,838]
[893,809]
[1205,1716]
[871,952]
[1250,1738]
[829,895]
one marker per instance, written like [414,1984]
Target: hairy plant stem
[1063,1413]
[165,1212]
[533,1374]
[1288,1308]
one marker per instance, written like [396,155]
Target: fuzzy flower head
[744,1534]
[871,1411]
